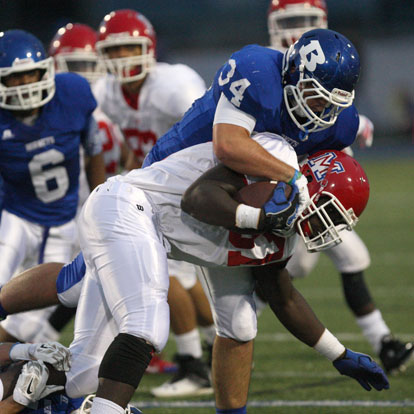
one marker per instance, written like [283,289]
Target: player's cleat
[395,354]
[158,365]
[192,379]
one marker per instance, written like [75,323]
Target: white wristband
[329,346]
[247,217]
[19,352]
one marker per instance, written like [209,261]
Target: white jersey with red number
[167,93]
[164,184]
[112,140]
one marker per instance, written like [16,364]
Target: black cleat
[395,354]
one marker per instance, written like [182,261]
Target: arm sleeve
[226,113]
[91,138]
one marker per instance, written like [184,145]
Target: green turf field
[288,376]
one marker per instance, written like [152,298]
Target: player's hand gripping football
[301,183]
[31,384]
[362,368]
[281,211]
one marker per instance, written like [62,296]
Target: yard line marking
[279,403]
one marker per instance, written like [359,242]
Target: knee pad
[356,291]
[126,360]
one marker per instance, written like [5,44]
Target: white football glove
[365,134]
[53,353]
[31,384]
[304,198]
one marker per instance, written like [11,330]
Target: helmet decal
[314,58]
[321,164]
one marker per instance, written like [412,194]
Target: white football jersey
[112,140]
[191,240]
[166,94]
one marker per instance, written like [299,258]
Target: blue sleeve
[251,80]
[1,195]
[71,274]
[346,128]
[91,138]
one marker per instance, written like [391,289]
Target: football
[257,194]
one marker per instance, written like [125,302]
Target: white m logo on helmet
[315,53]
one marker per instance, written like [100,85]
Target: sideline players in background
[287,21]
[44,119]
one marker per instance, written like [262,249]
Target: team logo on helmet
[321,164]
[315,58]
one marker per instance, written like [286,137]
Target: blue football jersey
[55,404]
[39,164]
[251,80]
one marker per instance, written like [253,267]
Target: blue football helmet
[320,72]
[20,51]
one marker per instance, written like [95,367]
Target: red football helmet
[73,49]
[127,27]
[288,19]
[339,191]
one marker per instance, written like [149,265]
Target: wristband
[247,217]
[295,177]
[20,352]
[329,346]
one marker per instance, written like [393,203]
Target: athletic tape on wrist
[295,177]
[247,217]
[329,346]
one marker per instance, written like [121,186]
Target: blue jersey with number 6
[39,163]
[251,80]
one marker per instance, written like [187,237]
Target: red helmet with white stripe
[339,191]
[287,20]
[73,49]
[122,28]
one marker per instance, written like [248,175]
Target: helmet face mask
[320,72]
[300,101]
[321,224]
[85,64]
[131,68]
[339,192]
[21,53]
[127,28]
